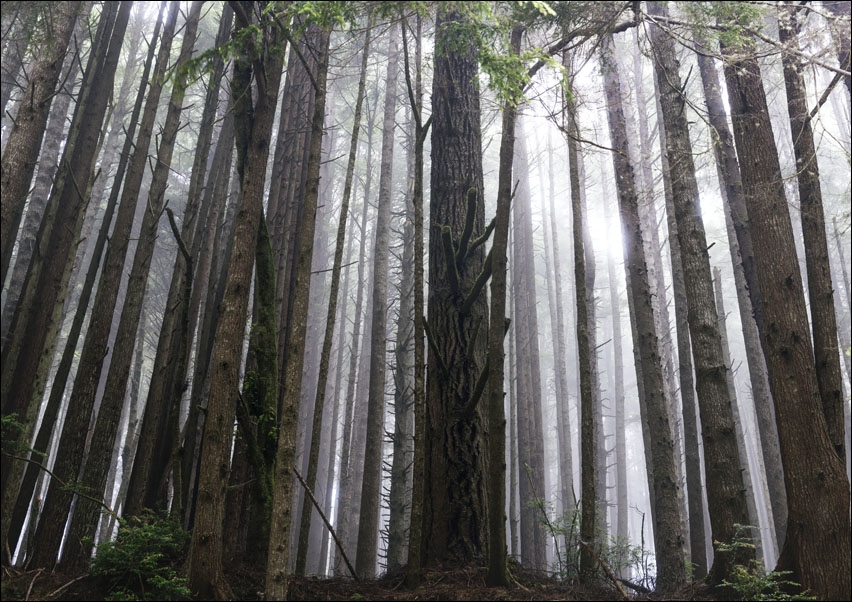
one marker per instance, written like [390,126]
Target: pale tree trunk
[668,536]
[530,436]
[817,545]
[319,403]
[371,484]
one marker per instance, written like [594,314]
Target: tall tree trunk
[530,435]
[279,540]
[158,435]
[22,147]
[751,305]
[84,518]
[69,353]
[820,290]
[817,546]
[319,403]
[668,537]
[497,569]
[726,498]
[254,125]
[370,488]
[455,505]
[588,432]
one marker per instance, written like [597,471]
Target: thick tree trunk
[668,537]
[820,290]
[455,505]
[725,493]
[751,306]
[817,546]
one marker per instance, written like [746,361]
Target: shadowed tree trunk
[820,290]
[454,500]
[817,545]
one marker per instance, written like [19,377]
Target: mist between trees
[348,288]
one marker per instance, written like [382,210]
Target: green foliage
[734,19]
[13,436]
[139,564]
[752,582]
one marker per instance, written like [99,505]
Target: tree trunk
[371,484]
[820,290]
[751,305]
[455,505]
[254,122]
[725,492]
[279,541]
[817,546]
[668,537]
[22,147]
[27,355]
[530,435]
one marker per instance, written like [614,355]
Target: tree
[668,537]
[817,545]
[725,492]
[254,116]
[455,505]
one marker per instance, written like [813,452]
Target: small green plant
[751,581]
[139,563]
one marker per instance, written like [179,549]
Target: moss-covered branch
[442,366]
[481,239]
[480,283]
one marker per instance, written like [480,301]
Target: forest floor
[454,584]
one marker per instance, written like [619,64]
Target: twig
[179,238]
[59,590]
[605,567]
[30,588]
[327,524]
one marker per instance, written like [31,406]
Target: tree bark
[668,537]
[817,546]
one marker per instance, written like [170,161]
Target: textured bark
[22,147]
[820,289]
[63,370]
[455,505]
[726,497]
[371,484]
[668,537]
[27,355]
[748,297]
[205,564]
[279,540]
[15,43]
[817,546]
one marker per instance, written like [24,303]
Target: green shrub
[139,563]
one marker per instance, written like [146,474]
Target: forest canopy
[361,289]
